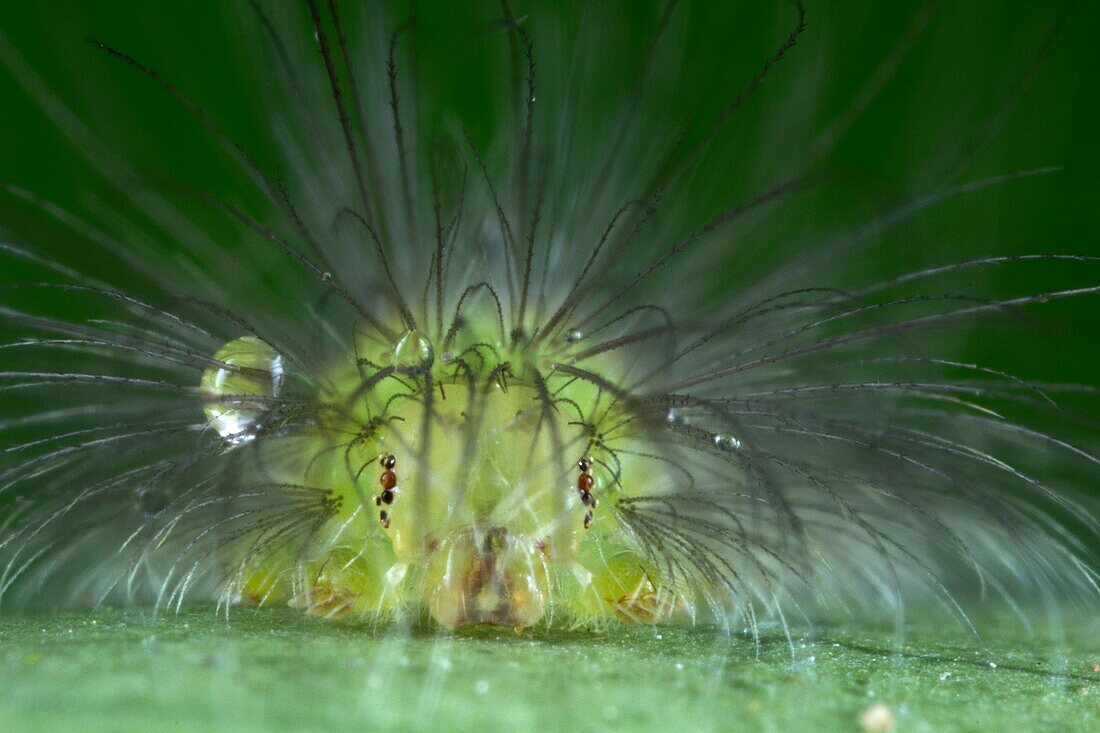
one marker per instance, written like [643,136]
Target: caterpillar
[536,362]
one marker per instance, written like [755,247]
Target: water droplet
[248,367]
[993,665]
[726,442]
[572,336]
[944,676]
[150,500]
[413,351]
[673,417]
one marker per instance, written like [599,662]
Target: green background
[115,671]
[960,78]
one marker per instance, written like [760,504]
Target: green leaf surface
[274,670]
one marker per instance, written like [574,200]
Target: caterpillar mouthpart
[487,575]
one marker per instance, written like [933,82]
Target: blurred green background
[1014,76]
[979,66]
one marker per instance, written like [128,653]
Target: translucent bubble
[726,442]
[572,336]
[150,500]
[251,369]
[413,351]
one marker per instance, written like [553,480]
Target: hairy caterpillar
[542,375]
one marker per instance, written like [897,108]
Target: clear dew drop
[726,442]
[249,368]
[673,417]
[413,351]
[572,336]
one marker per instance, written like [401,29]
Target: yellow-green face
[484,498]
[466,464]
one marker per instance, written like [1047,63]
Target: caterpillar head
[473,466]
[483,501]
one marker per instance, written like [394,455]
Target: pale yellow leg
[621,584]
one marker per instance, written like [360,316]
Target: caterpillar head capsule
[475,496]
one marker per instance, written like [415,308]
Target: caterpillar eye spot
[585,483]
[388,480]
